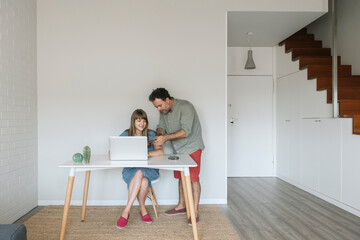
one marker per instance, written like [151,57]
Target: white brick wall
[18,109]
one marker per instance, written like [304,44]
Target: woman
[139,179]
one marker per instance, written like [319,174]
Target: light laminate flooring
[269,208]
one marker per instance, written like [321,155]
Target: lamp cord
[250,45]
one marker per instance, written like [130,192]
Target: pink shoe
[146,218]
[121,223]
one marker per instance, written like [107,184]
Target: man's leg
[196,189]
[181,203]
[195,186]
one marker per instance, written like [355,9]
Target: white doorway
[250,126]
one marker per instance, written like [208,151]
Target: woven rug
[100,223]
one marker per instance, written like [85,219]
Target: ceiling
[268,28]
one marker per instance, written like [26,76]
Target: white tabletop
[102,161]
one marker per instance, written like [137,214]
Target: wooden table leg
[67,203]
[185,194]
[86,188]
[191,204]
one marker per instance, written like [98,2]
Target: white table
[100,162]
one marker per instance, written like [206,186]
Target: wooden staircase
[318,61]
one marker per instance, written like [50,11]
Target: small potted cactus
[87,154]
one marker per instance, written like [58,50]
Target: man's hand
[159,140]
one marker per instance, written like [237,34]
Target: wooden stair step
[348,93]
[304,61]
[289,45]
[356,124]
[299,38]
[323,83]
[302,31]
[326,71]
[297,52]
[349,108]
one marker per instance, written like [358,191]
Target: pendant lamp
[250,64]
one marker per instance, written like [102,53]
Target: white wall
[314,152]
[18,123]
[98,61]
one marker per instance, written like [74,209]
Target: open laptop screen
[128,148]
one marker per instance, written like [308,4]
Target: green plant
[87,154]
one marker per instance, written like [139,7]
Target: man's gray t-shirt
[183,116]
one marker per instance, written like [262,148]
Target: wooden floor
[269,208]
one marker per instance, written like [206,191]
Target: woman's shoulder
[125,133]
[151,133]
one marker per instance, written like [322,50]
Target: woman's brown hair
[139,114]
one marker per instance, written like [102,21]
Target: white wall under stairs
[315,152]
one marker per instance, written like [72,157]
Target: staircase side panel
[284,63]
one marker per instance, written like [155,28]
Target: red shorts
[194,171]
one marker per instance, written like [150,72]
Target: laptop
[124,148]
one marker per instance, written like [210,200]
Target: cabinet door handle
[287,120]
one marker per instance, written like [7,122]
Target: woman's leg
[144,189]
[134,187]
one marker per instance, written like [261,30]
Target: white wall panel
[18,109]
[313,103]
[284,64]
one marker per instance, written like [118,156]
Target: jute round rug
[100,223]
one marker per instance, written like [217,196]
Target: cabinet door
[282,128]
[330,158]
[294,150]
[321,156]
[282,147]
[287,125]
[310,153]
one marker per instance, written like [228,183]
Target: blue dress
[150,173]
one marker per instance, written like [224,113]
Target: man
[179,124]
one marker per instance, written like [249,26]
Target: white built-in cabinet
[308,141]
[321,156]
[314,151]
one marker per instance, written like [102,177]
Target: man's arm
[187,119]
[160,132]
